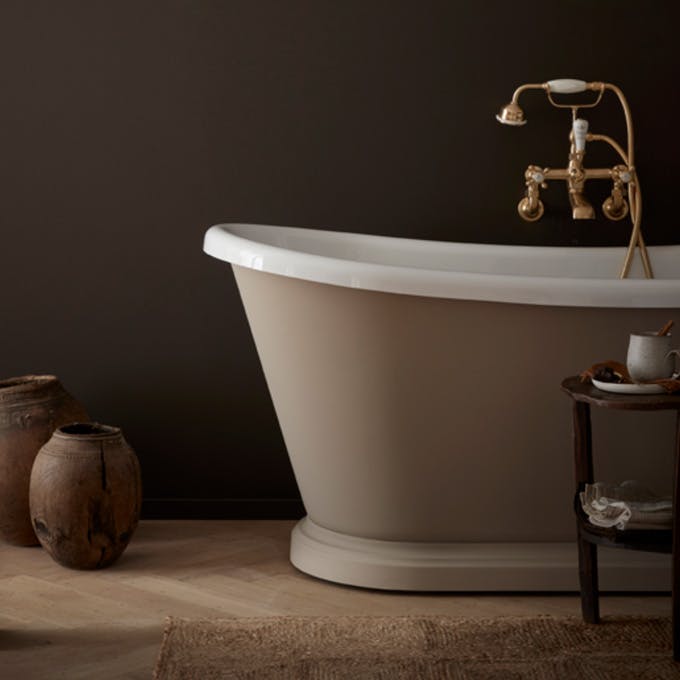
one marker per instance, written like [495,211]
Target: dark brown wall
[128,127]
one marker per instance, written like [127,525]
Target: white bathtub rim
[223,243]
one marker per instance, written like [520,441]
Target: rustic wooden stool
[590,536]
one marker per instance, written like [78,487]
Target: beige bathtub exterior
[431,441]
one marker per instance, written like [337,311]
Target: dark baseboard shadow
[222,508]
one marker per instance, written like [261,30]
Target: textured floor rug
[417,648]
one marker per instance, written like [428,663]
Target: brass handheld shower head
[511,114]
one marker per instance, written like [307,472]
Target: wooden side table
[589,536]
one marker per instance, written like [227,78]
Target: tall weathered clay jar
[85,495]
[31,408]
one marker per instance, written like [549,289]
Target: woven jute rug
[417,648]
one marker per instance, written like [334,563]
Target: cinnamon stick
[667,326]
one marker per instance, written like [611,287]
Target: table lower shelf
[649,540]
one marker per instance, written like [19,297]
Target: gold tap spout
[581,207]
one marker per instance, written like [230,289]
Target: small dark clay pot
[85,495]
[31,408]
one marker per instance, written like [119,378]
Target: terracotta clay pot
[31,408]
[85,495]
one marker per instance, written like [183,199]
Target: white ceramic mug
[650,356]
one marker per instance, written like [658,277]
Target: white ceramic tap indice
[650,356]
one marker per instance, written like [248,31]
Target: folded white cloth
[627,506]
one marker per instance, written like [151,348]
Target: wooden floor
[59,623]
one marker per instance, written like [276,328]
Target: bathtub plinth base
[420,566]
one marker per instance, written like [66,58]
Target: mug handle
[674,352]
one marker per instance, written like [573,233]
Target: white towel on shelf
[627,506]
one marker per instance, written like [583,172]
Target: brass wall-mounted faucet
[625,198]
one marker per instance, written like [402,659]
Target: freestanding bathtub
[417,385]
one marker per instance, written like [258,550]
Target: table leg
[587,572]
[587,552]
[676,546]
[583,445]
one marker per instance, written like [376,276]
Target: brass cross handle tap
[530,208]
[616,207]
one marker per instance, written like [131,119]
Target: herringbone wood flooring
[59,623]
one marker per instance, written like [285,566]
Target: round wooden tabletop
[588,393]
